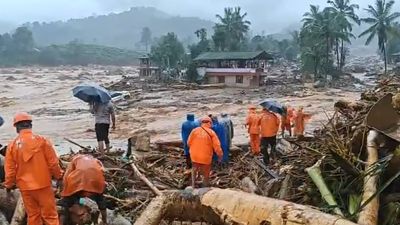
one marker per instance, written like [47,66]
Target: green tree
[318,35]
[191,73]
[22,40]
[201,34]
[146,37]
[231,30]
[381,21]
[393,43]
[202,46]
[344,14]
[168,52]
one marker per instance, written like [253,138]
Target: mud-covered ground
[47,94]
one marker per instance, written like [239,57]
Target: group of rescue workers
[263,128]
[208,140]
[31,163]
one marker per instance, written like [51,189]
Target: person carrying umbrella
[269,129]
[104,115]
[99,100]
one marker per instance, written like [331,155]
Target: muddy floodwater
[46,93]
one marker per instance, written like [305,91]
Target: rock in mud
[115,218]
[143,141]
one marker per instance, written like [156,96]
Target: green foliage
[325,34]
[393,44]
[344,14]
[19,49]
[382,25]
[119,30]
[288,49]
[191,73]
[203,45]
[230,32]
[168,52]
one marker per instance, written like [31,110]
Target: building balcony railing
[233,70]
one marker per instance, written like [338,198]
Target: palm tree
[381,22]
[234,25]
[320,29]
[201,34]
[344,13]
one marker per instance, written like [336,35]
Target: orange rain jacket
[253,122]
[84,173]
[269,124]
[287,118]
[202,143]
[30,162]
[300,122]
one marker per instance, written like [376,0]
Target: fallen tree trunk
[224,206]
[145,180]
[19,213]
[369,214]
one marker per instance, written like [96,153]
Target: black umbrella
[91,93]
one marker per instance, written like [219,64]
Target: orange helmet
[252,107]
[206,119]
[23,116]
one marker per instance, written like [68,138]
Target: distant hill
[121,30]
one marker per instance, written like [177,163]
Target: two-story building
[234,69]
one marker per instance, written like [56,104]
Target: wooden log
[369,214]
[153,213]
[19,213]
[145,180]
[283,193]
[177,143]
[224,206]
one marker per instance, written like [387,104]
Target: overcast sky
[273,15]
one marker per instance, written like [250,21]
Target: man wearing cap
[30,163]
[203,142]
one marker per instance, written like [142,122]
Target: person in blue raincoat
[228,125]
[187,128]
[219,129]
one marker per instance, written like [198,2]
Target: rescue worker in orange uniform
[269,123]
[203,142]
[83,178]
[30,163]
[300,122]
[287,117]
[253,128]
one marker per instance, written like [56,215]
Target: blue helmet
[1,121]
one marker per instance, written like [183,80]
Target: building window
[239,79]
[221,79]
